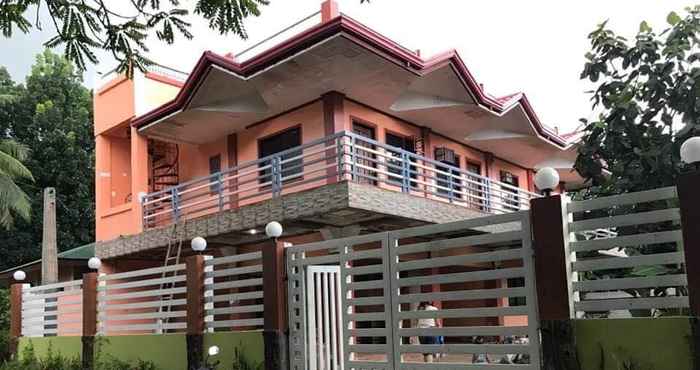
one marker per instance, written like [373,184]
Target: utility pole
[49,250]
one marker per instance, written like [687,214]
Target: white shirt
[428,322]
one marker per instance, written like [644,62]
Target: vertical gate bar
[326,320]
[311,322]
[391,274]
[341,328]
[528,256]
[319,318]
[334,318]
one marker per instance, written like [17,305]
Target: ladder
[172,258]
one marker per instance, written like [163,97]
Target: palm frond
[12,154]
[12,201]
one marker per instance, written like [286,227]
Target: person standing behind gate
[427,323]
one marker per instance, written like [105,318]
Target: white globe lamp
[94,263]
[273,229]
[19,275]
[214,350]
[690,151]
[546,179]
[199,244]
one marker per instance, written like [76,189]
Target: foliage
[4,324]
[645,89]
[241,362]
[123,28]
[54,361]
[52,117]
[13,200]
[646,93]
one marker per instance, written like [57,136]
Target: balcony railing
[340,157]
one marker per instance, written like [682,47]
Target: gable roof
[371,41]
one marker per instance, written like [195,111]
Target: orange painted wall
[120,170]
[113,104]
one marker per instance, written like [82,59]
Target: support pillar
[689,197]
[195,311]
[333,122]
[15,317]
[275,305]
[89,320]
[553,282]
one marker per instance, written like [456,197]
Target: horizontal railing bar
[626,262]
[623,199]
[235,323]
[630,219]
[630,283]
[74,283]
[144,272]
[143,283]
[235,258]
[626,241]
[631,303]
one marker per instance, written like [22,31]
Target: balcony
[340,157]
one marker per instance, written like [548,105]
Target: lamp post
[689,197]
[273,230]
[274,301]
[546,179]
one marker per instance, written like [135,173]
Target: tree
[122,28]
[647,91]
[13,200]
[52,116]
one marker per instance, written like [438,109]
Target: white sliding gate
[478,273]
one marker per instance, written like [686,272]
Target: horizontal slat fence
[234,292]
[144,301]
[52,309]
[637,268]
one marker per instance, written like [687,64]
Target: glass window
[277,143]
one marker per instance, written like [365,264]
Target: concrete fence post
[15,317]
[89,319]
[688,188]
[195,311]
[553,282]
[275,306]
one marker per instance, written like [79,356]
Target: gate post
[15,317]
[689,196]
[275,306]
[553,282]
[89,320]
[195,311]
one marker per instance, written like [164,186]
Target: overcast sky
[509,45]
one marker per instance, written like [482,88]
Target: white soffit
[483,135]
[411,100]
[556,163]
[249,103]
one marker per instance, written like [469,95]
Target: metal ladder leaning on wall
[172,258]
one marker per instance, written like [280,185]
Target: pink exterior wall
[113,104]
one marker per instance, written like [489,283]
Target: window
[214,167]
[452,181]
[510,195]
[476,189]
[516,283]
[394,166]
[277,143]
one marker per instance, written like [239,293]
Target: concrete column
[275,304]
[333,122]
[329,10]
[89,319]
[689,196]
[195,311]
[15,317]
[139,175]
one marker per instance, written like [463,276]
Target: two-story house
[336,131]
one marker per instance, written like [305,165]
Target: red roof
[373,42]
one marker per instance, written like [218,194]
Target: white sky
[509,45]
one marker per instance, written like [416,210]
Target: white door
[324,318]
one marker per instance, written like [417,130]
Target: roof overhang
[222,96]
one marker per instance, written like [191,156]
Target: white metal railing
[151,300]
[52,309]
[338,157]
[234,294]
[647,276]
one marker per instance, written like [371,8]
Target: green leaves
[673,18]
[228,15]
